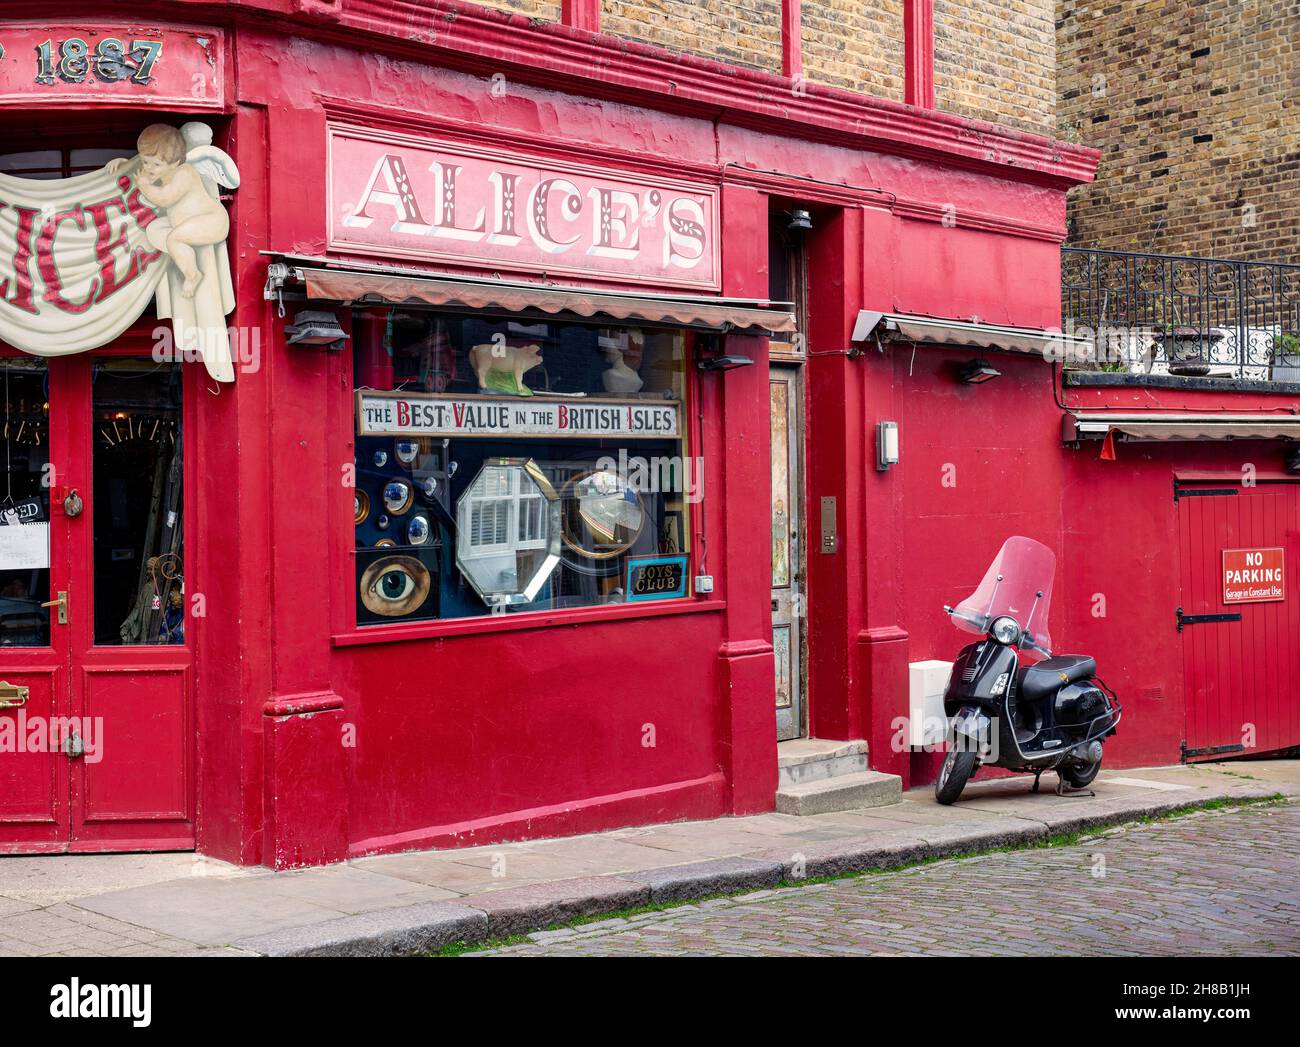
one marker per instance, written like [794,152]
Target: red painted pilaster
[581,14]
[918,43]
[740,399]
[791,38]
[881,644]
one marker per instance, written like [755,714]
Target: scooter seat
[1047,677]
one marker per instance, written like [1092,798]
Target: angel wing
[214,166]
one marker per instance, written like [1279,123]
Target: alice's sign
[396,195]
[82,257]
[442,415]
[1254,575]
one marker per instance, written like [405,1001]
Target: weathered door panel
[787,558]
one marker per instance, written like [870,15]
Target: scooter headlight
[1005,630]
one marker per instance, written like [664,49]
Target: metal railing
[1182,315]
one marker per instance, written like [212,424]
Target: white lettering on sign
[1254,575]
[403,414]
[399,195]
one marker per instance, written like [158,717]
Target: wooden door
[107,666]
[1240,618]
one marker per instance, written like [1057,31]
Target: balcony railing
[1171,314]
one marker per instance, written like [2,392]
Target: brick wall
[1197,110]
[996,60]
[738,32]
[859,46]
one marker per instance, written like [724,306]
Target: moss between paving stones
[1065,839]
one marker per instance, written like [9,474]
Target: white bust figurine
[619,378]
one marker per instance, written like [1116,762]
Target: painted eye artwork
[398,496]
[394,586]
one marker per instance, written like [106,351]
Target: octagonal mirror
[508,531]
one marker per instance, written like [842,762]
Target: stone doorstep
[815,759]
[432,925]
[847,792]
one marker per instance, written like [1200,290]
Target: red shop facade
[402,431]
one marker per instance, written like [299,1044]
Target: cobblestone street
[1217,883]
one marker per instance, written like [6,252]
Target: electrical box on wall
[926,724]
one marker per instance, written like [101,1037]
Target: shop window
[57,163]
[506,465]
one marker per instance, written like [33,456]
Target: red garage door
[1240,618]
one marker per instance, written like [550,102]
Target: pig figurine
[501,368]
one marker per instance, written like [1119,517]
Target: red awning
[354,286]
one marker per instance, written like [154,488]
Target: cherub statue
[180,172]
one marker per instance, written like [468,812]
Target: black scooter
[1052,715]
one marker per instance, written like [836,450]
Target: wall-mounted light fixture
[976,372]
[886,445]
[723,363]
[316,327]
[800,221]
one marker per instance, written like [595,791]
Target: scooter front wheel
[954,774]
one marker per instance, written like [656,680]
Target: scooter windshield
[1022,570]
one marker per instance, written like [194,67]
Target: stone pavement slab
[527,908]
[717,876]
[178,904]
[391,932]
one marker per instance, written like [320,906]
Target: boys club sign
[81,257]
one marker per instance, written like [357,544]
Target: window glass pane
[546,461]
[81,160]
[137,508]
[41,159]
[25,505]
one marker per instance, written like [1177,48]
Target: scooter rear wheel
[953,775]
[1077,776]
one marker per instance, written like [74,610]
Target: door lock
[72,505]
[62,604]
[73,746]
[12,696]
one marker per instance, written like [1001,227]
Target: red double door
[96,721]
[1240,617]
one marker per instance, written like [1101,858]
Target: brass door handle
[12,696]
[62,604]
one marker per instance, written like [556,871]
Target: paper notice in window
[25,546]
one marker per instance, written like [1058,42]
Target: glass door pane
[25,503]
[139,559]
